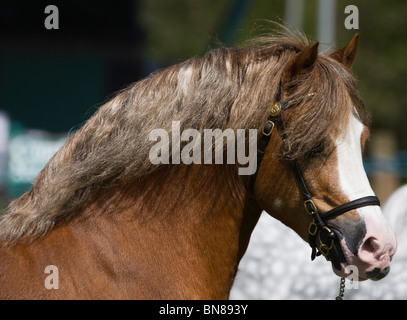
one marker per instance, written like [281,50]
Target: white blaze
[355,184]
[352,175]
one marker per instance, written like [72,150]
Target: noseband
[321,236]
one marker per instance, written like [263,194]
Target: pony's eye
[317,150]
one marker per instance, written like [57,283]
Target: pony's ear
[347,54]
[302,62]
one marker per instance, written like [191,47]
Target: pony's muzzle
[376,254]
[364,243]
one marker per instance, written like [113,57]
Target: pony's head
[312,176]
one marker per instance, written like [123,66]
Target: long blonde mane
[226,88]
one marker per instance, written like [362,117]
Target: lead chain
[341,289]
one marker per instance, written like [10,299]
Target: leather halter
[321,236]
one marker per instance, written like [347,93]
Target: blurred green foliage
[179,29]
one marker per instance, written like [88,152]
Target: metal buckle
[286,146]
[275,109]
[268,133]
[322,247]
[312,228]
[312,209]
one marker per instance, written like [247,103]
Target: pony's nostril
[371,250]
[370,245]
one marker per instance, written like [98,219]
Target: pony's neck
[183,228]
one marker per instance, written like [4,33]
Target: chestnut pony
[104,222]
